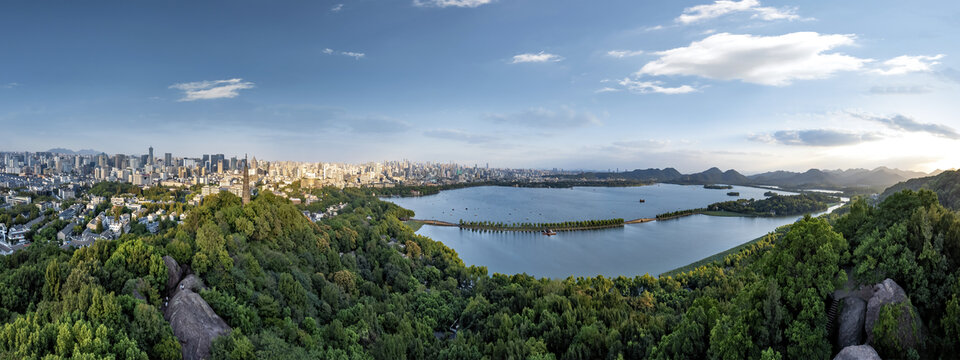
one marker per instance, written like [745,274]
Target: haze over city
[746,84]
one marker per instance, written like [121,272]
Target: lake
[653,247]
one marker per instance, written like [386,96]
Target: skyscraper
[150,157]
[167,159]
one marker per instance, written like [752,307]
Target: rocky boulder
[858,352]
[890,295]
[850,323]
[193,321]
[173,273]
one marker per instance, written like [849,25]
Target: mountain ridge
[875,179]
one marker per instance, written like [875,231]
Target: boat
[642,200]
[549,232]
[733,193]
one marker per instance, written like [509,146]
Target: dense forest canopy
[362,285]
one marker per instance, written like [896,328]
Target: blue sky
[752,85]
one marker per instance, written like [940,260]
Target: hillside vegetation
[362,285]
[946,185]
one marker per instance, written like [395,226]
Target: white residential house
[17,234]
[117,201]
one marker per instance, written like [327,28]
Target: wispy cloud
[451,3]
[620,54]
[540,57]
[815,137]
[908,64]
[606,90]
[541,117]
[647,87]
[355,55]
[216,89]
[336,8]
[10,85]
[459,135]
[906,124]
[767,60]
[723,7]
[897,90]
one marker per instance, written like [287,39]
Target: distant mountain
[873,180]
[812,177]
[654,175]
[715,176]
[946,185]
[880,177]
[71,152]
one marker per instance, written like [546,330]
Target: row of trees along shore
[679,213]
[533,227]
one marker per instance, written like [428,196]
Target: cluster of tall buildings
[147,169]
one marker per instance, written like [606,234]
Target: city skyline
[747,85]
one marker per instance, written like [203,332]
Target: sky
[604,84]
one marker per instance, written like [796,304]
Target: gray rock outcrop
[173,273]
[889,293]
[850,323]
[858,352]
[193,321]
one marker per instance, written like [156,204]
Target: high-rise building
[150,157]
[167,159]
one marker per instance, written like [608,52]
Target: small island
[718,187]
[733,193]
[776,205]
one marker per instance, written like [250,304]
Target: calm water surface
[509,204]
[652,248]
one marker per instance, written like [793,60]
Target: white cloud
[449,3]
[767,60]
[647,87]
[723,7]
[907,64]
[355,55]
[337,8]
[216,89]
[606,90]
[540,57]
[9,85]
[620,54]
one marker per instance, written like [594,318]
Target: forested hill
[946,185]
[361,285]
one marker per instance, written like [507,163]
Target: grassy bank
[413,225]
